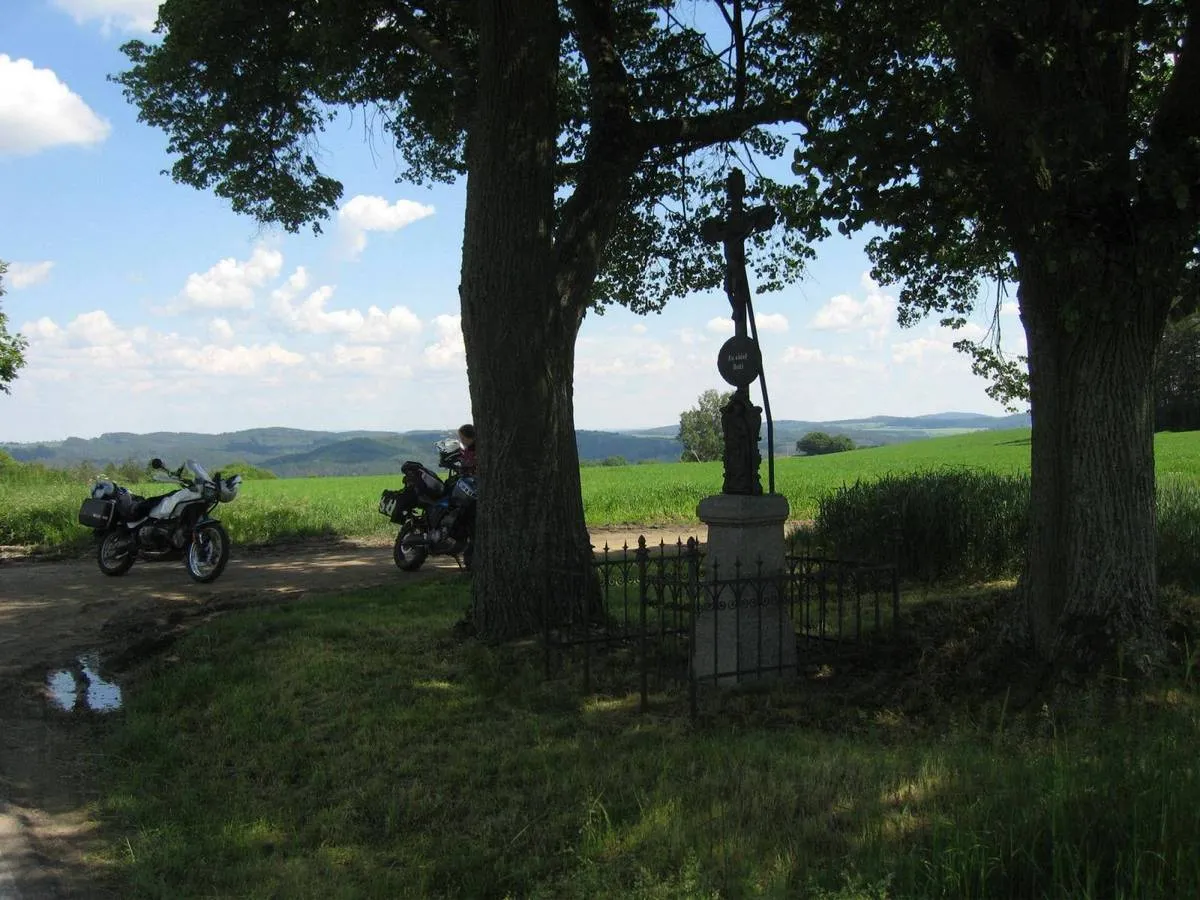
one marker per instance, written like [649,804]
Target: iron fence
[683,623]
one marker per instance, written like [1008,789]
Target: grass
[347,747]
[44,514]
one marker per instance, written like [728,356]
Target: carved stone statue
[741,421]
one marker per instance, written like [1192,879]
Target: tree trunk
[532,555]
[1090,580]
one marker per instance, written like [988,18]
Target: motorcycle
[442,520]
[152,528]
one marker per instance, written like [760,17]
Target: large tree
[12,346]
[581,127]
[700,429]
[1055,144]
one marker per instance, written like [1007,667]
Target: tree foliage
[656,101]
[12,346]
[1177,377]
[817,443]
[700,428]
[960,131]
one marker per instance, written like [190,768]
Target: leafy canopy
[818,443]
[12,346]
[700,429]
[656,101]
[1013,137]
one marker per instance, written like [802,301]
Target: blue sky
[150,306]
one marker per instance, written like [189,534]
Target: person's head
[466,435]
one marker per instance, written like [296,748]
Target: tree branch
[443,52]
[1178,120]
[718,127]
[739,54]
[608,81]
[589,216]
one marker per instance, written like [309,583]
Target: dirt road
[55,615]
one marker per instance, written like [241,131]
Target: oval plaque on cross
[739,361]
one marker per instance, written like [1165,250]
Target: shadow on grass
[348,747]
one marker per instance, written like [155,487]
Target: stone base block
[753,637]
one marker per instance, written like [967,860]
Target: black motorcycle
[436,517]
[160,527]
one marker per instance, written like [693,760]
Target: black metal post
[762,380]
[643,593]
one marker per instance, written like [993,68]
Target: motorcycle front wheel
[208,552]
[409,557]
[116,553]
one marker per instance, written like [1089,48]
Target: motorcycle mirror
[157,463]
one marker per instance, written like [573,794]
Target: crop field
[44,514]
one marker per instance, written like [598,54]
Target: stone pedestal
[756,630]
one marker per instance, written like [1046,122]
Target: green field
[44,514]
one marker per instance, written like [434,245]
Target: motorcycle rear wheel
[408,558]
[208,552]
[116,553]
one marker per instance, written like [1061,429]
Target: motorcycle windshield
[198,470]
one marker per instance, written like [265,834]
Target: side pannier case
[96,513]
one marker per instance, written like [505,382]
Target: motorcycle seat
[141,508]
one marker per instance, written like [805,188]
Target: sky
[151,306]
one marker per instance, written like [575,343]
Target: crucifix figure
[732,232]
[740,361]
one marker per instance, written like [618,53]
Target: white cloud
[638,328]
[919,349]
[1010,308]
[93,339]
[291,288]
[239,360]
[381,327]
[448,352]
[844,313]
[95,329]
[363,213]
[938,344]
[311,316]
[221,331]
[43,329]
[361,358]
[723,325]
[231,284]
[23,275]
[811,356]
[127,15]
[651,358]
[771,322]
[38,111]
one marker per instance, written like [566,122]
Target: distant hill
[291,452]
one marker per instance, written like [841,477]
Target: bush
[818,443]
[950,523]
[964,523]
[13,472]
[1179,532]
[247,471]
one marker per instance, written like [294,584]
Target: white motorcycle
[156,527]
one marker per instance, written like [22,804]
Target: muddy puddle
[81,687]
